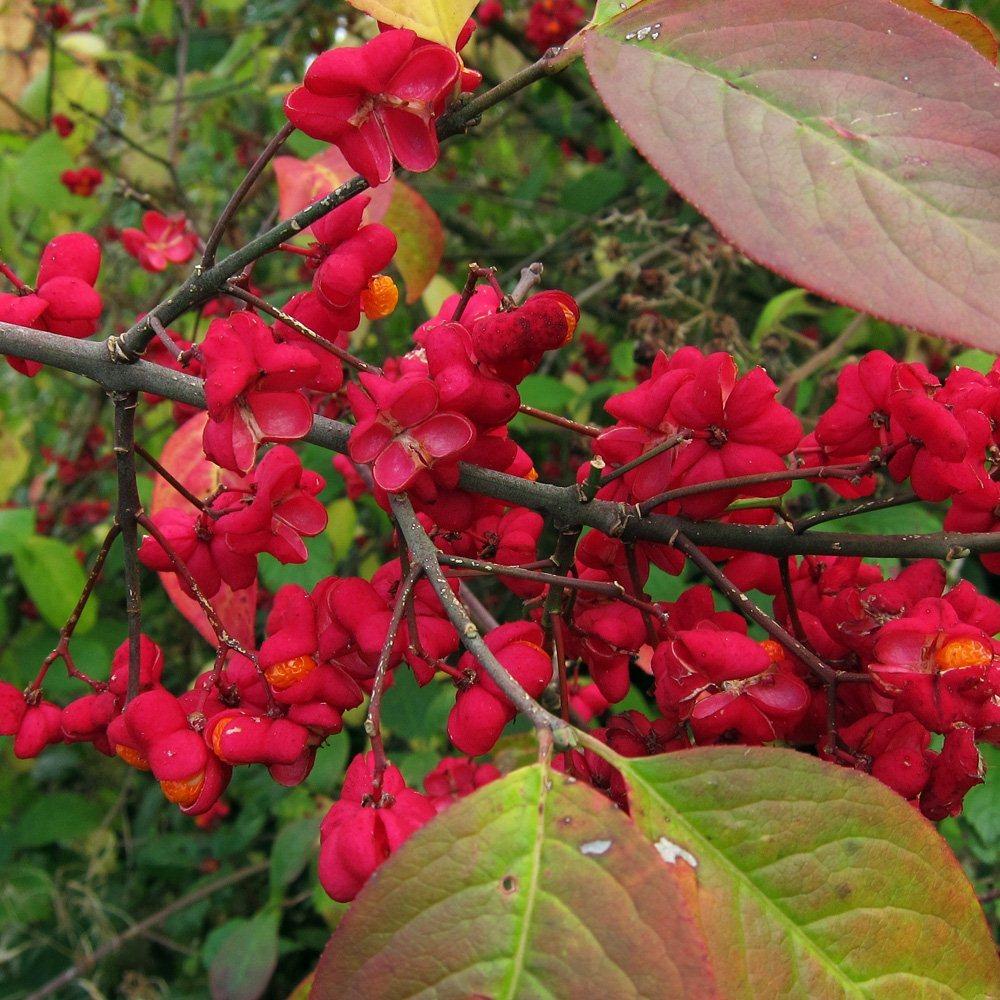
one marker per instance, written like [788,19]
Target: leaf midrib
[764,901]
[517,961]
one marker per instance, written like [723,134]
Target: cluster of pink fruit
[693,439]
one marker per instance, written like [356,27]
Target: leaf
[49,572]
[58,817]
[850,145]
[784,305]
[293,849]
[435,20]
[14,462]
[301,182]
[246,958]
[421,239]
[532,886]
[36,177]
[15,524]
[341,526]
[184,457]
[545,392]
[814,880]
[413,712]
[967,26]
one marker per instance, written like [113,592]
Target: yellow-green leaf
[814,880]
[435,20]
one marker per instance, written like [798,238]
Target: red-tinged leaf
[184,457]
[959,22]
[421,239]
[814,880]
[532,886]
[850,145]
[301,182]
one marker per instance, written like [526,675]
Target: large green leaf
[850,145]
[49,572]
[814,881]
[534,886]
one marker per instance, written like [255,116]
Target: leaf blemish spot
[672,853]
[595,848]
[508,884]
[843,131]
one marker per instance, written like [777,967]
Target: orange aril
[963,653]
[285,674]
[132,757]
[185,792]
[380,297]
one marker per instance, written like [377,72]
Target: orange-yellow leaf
[967,26]
[421,239]
[435,20]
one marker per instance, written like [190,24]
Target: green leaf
[293,849]
[59,817]
[785,305]
[341,527]
[978,361]
[814,880]
[545,392]
[981,808]
[420,237]
[533,886]
[16,523]
[36,177]
[14,462]
[411,711]
[328,771]
[53,578]
[245,957]
[623,358]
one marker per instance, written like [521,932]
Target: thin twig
[129,509]
[85,964]
[256,169]
[588,430]
[564,503]
[61,649]
[746,607]
[423,551]
[373,724]
[311,335]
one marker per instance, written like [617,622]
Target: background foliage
[171,101]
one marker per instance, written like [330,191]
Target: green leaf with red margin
[184,457]
[421,239]
[850,145]
[813,880]
[532,886]
[959,22]
[301,182]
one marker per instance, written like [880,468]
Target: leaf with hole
[814,880]
[532,886]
